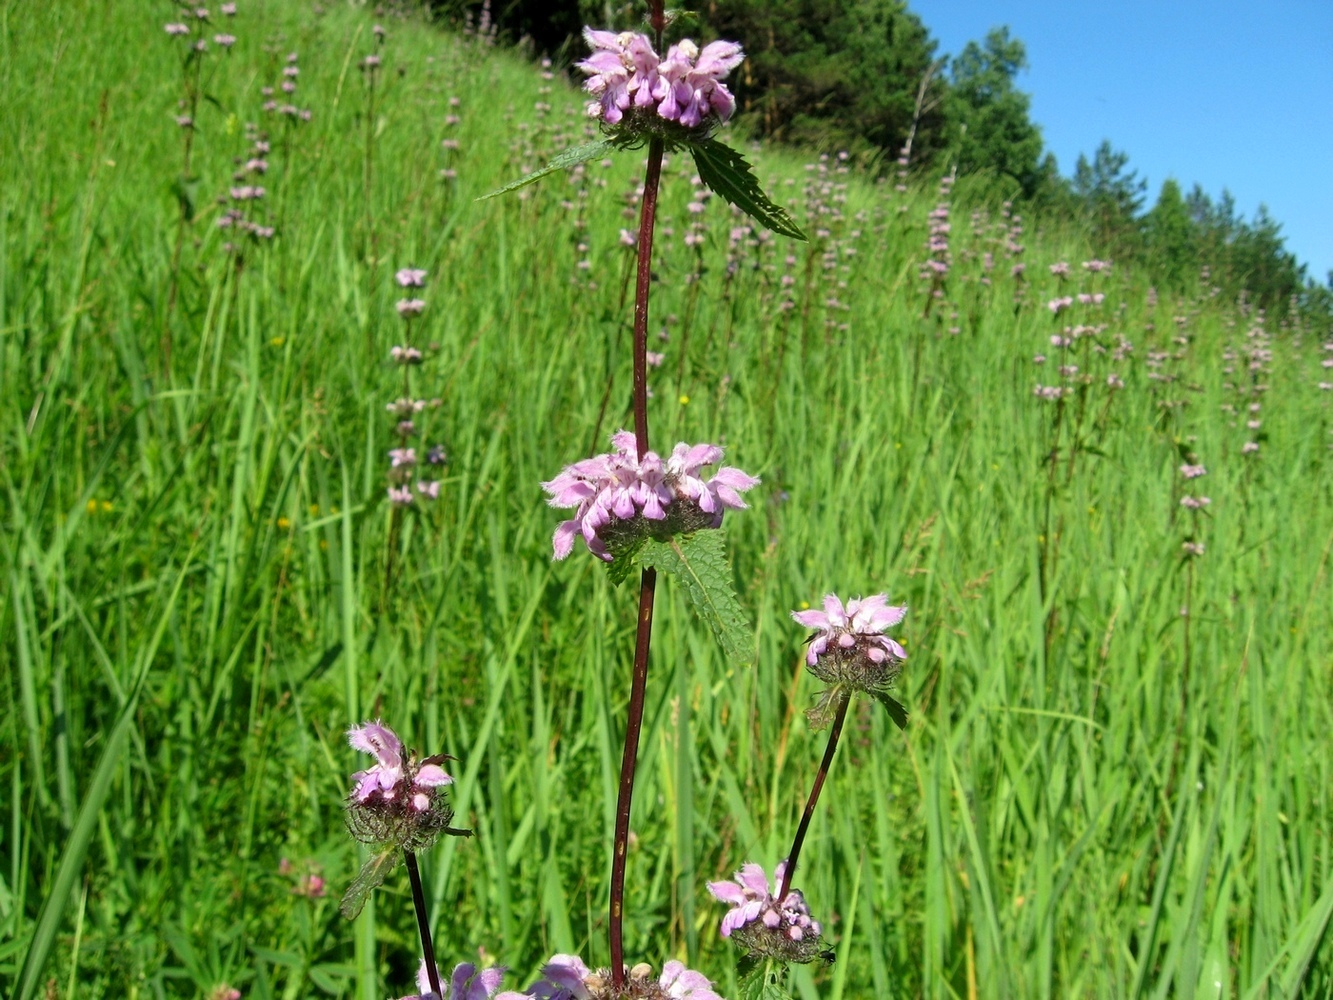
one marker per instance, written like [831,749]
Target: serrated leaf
[763,982]
[624,564]
[895,709]
[372,876]
[728,173]
[568,158]
[699,561]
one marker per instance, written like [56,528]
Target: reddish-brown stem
[638,687]
[423,922]
[836,731]
[647,217]
[648,581]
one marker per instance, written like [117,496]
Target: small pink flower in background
[228,9]
[1195,503]
[400,496]
[1058,305]
[225,992]
[411,277]
[1060,269]
[184,121]
[1193,471]
[405,355]
[655,359]
[429,490]
[226,41]
[1114,381]
[411,307]
[175,29]
[1096,266]
[1249,448]
[1193,549]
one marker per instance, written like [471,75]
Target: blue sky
[1229,95]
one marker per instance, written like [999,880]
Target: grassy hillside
[1116,777]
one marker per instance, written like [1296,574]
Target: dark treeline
[865,76]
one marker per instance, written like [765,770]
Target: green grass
[195,548]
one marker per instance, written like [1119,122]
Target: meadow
[1117,777]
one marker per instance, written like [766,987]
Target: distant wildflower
[1058,305]
[226,41]
[400,496]
[1060,269]
[184,121]
[411,277]
[1195,503]
[1114,381]
[1192,549]
[411,307]
[1050,393]
[1193,471]
[626,76]
[1249,447]
[1096,266]
[398,800]
[565,977]
[405,355]
[225,992]
[620,499]
[763,926]
[429,490]
[176,28]
[370,62]
[655,359]
[228,9]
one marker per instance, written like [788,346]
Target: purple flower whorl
[621,500]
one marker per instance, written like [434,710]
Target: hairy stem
[843,699]
[423,922]
[648,581]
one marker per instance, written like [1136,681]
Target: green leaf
[699,561]
[895,708]
[726,171]
[762,981]
[569,158]
[624,564]
[372,876]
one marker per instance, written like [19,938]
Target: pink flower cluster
[567,978]
[391,776]
[625,74]
[613,491]
[854,629]
[764,925]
